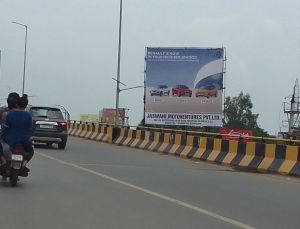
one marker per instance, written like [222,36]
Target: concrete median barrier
[71,127]
[95,133]
[252,156]
[84,130]
[75,129]
[92,131]
[105,135]
[79,129]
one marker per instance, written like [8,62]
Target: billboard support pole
[144,99]
[224,80]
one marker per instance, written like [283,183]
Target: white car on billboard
[160,90]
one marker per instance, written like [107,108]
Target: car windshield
[211,87]
[46,112]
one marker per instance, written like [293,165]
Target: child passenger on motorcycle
[17,129]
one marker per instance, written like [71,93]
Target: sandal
[25,169]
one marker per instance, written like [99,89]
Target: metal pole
[25,51]
[24,70]
[119,67]
[0,61]
[144,99]
[224,79]
[67,114]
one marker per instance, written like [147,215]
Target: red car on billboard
[181,90]
[236,134]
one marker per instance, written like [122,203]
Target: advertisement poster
[89,118]
[184,86]
[108,115]
[236,134]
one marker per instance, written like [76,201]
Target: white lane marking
[163,197]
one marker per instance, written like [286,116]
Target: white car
[160,90]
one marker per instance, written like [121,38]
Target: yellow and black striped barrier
[254,156]
[91,131]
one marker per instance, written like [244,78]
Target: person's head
[23,102]
[12,100]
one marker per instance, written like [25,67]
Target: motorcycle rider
[2,158]
[17,130]
[12,101]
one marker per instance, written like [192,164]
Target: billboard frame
[224,68]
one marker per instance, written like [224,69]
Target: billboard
[184,86]
[108,115]
[236,134]
[89,118]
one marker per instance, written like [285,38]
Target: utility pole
[25,52]
[119,66]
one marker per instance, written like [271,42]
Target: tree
[238,114]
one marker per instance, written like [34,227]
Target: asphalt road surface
[94,185]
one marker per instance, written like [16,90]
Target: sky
[73,45]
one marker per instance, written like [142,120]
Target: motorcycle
[14,165]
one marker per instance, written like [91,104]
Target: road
[95,185]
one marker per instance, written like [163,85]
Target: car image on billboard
[160,90]
[209,91]
[181,90]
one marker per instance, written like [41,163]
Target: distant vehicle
[49,126]
[160,90]
[207,92]
[181,90]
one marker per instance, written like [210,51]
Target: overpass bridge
[94,184]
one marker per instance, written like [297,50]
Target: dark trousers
[1,150]
[28,152]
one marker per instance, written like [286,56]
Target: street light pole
[0,61]
[119,66]
[67,114]
[25,52]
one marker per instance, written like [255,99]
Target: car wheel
[62,145]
